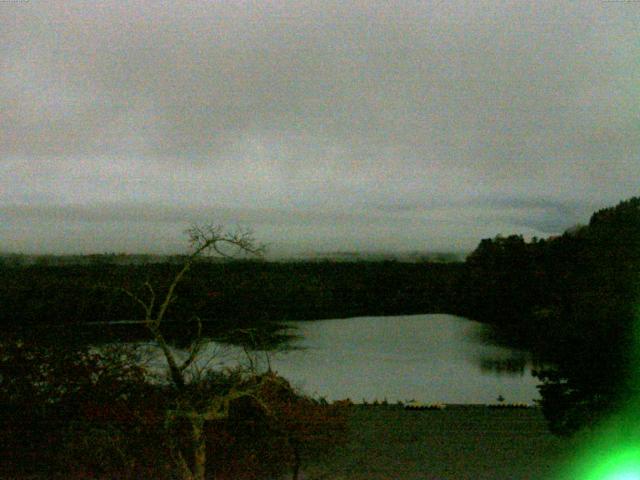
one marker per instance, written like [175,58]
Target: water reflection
[504,366]
[431,358]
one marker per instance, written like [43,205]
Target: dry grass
[457,443]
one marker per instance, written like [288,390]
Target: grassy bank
[459,442]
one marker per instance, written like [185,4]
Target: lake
[429,358]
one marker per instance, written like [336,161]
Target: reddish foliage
[266,437]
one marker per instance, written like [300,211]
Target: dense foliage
[78,413]
[74,412]
[572,300]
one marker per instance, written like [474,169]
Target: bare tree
[204,240]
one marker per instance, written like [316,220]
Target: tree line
[226,296]
[573,301]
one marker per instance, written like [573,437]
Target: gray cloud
[299,106]
[139,227]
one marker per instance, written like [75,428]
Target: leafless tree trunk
[296,461]
[203,240]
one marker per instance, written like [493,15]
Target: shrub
[78,413]
[272,431]
[51,394]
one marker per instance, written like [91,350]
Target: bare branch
[147,308]
[195,347]
[212,237]
[170,295]
[202,239]
[176,374]
[200,369]
[152,300]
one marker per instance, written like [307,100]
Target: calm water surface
[429,358]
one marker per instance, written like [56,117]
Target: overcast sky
[322,125]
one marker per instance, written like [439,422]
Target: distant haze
[323,126]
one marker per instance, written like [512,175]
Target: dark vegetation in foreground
[569,299]
[74,413]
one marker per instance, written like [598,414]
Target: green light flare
[612,451]
[610,454]
[619,466]
[624,476]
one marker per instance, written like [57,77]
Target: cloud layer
[401,125]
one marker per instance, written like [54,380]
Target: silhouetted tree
[210,239]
